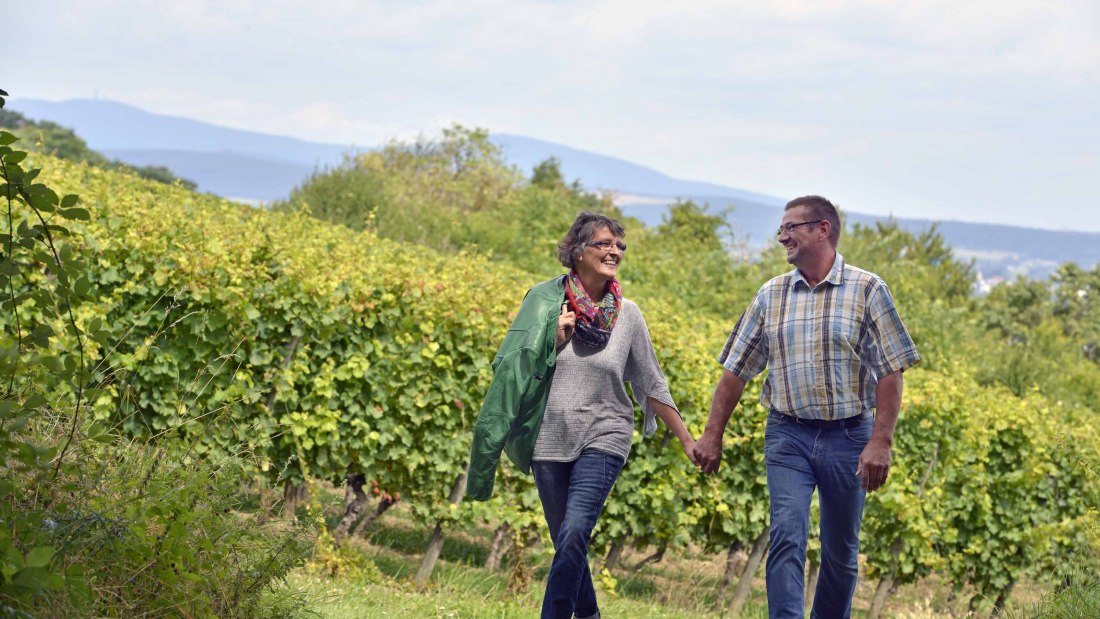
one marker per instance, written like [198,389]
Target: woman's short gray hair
[583,229]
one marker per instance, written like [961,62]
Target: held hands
[874,465]
[689,450]
[566,323]
[708,452]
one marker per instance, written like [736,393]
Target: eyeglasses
[606,245]
[789,227]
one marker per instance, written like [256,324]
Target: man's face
[798,236]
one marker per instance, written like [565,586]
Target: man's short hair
[820,208]
[584,227]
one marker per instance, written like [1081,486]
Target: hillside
[257,167]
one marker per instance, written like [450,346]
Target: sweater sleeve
[644,374]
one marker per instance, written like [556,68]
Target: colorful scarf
[594,322]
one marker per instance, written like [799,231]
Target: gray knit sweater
[588,407]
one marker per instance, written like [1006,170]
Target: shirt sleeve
[645,376]
[888,347]
[746,351]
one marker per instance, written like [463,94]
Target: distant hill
[111,126]
[239,176]
[258,167]
[603,172]
[999,251]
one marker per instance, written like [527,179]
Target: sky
[982,110]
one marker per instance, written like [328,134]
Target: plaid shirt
[825,347]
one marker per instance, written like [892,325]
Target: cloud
[920,105]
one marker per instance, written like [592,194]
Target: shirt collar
[835,276]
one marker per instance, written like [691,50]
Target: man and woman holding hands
[835,349]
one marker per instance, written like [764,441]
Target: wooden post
[882,591]
[733,561]
[614,554]
[384,503]
[291,496]
[354,502]
[435,545]
[502,540]
[744,585]
[653,558]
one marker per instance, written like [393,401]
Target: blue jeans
[798,458]
[572,495]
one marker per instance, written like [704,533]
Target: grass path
[679,587]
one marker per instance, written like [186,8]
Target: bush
[137,528]
[91,524]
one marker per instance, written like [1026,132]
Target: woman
[577,431]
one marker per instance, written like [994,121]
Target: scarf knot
[594,321]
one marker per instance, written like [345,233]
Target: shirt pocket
[844,333]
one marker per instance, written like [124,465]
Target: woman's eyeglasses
[606,245]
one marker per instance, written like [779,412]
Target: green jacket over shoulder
[522,370]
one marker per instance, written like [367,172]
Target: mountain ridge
[260,167]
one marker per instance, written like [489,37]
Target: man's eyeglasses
[789,227]
[606,245]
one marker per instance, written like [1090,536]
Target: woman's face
[601,261]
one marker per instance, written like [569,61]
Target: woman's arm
[672,419]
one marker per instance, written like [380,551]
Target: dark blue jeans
[798,458]
[572,495]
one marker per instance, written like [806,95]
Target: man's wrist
[883,441]
[714,428]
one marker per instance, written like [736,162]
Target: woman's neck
[595,286]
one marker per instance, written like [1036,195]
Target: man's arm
[708,449]
[874,462]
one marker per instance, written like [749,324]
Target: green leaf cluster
[92,523]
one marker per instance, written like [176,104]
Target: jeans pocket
[860,433]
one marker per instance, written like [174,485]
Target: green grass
[684,584]
[677,588]
[461,593]
[1082,599]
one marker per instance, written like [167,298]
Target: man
[835,349]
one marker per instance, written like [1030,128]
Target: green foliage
[1077,307]
[416,192]
[149,530]
[1043,336]
[450,195]
[38,276]
[688,262]
[548,174]
[1078,592]
[237,329]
